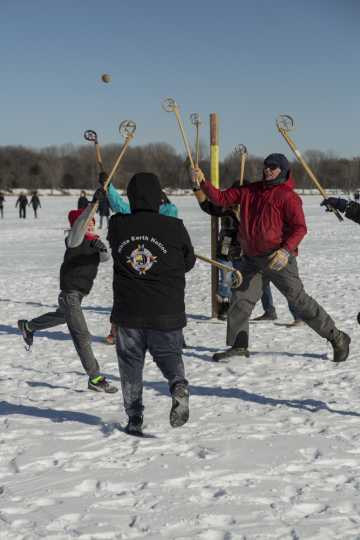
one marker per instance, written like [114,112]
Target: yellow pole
[214,176]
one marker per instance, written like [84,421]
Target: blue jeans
[224,289]
[131,347]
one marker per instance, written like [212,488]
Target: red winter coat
[271,217]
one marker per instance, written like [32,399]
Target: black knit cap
[280,161]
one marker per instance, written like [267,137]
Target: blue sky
[247,61]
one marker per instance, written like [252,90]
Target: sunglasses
[271,166]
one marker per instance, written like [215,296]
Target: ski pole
[285,123]
[236,275]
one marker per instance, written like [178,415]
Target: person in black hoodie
[35,203]
[22,202]
[77,275]
[151,253]
[2,199]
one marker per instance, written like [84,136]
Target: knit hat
[280,161]
[74,214]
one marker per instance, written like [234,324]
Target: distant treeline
[66,167]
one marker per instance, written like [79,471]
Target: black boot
[179,413]
[341,345]
[240,348]
[223,310]
[27,334]
[229,353]
[134,426]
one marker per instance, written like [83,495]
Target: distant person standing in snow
[2,200]
[35,203]
[151,253]
[83,201]
[272,227]
[22,203]
[84,252]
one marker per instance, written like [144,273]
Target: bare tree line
[68,166]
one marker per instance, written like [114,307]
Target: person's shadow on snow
[49,334]
[54,415]
[53,307]
[310,405]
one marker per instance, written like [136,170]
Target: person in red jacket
[272,225]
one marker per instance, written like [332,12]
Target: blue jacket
[118,205]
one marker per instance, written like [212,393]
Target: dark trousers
[255,273]
[2,211]
[268,302]
[35,212]
[70,312]
[22,212]
[131,347]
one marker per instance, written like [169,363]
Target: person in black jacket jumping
[77,275]
[151,253]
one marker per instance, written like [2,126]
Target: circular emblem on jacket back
[141,259]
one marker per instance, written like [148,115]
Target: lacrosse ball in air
[106,78]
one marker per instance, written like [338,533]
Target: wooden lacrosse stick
[243,155]
[127,130]
[285,123]
[236,276]
[91,135]
[196,121]
[170,105]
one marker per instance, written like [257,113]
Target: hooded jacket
[271,215]
[151,254]
[80,265]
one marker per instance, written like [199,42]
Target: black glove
[99,195]
[103,176]
[98,245]
[334,202]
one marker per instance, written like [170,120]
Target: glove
[99,195]
[197,176]
[334,202]
[279,259]
[103,176]
[98,245]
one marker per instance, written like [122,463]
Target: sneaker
[27,334]
[179,413]
[341,346]
[100,384]
[229,353]
[134,426]
[267,316]
[110,340]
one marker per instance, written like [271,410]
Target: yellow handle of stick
[307,169]
[95,205]
[242,168]
[183,134]
[98,156]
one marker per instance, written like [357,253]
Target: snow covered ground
[272,448]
